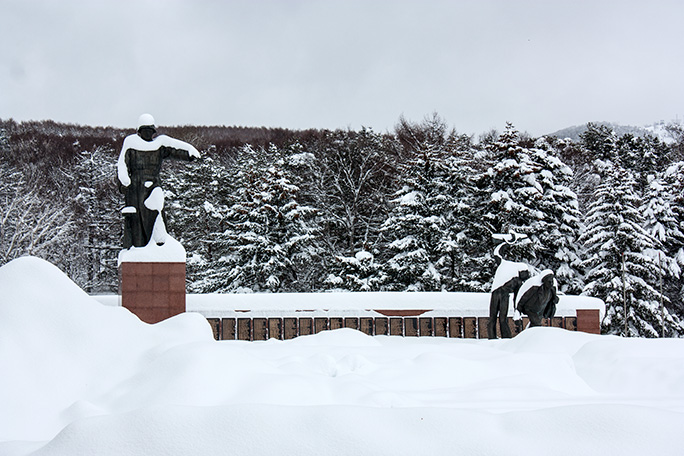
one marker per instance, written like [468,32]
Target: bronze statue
[508,278]
[538,297]
[498,305]
[139,165]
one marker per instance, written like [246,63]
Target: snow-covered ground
[81,378]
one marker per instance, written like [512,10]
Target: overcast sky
[542,65]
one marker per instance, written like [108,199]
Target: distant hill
[658,129]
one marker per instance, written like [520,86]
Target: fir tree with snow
[666,221]
[662,222]
[560,226]
[417,223]
[511,187]
[600,141]
[644,156]
[357,273]
[461,260]
[198,208]
[527,189]
[614,236]
[270,241]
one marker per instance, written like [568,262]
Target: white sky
[543,65]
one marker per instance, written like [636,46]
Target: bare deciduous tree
[28,224]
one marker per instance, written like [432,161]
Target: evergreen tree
[600,141]
[668,191]
[448,188]
[615,233]
[644,156]
[357,273]
[560,226]
[527,190]
[661,222]
[417,224]
[270,242]
[197,196]
[510,187]
[461,259]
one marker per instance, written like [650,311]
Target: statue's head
[548,278]
[524,274]
[146,128]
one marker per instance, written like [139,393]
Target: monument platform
[152,280]
[153,291]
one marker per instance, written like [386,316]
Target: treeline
[275,210]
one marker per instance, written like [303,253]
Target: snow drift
[60,350]
[83,378]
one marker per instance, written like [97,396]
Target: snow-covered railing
[261,316]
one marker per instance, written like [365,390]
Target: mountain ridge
[658,129]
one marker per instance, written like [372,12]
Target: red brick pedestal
[153,291]
[589,321]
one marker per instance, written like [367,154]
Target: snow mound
[63,348]
[83,378]
[343,431]
[343,337]
[547,340]
[635,367]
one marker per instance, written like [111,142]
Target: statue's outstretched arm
[177,149]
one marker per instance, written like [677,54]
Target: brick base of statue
[589,321]
[153,291]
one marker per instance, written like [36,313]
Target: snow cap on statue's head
[547,274]
[145,120]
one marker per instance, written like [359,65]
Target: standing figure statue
[538,297]
[508,278]
[138,170]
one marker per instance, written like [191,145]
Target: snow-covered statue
[537,297]
[138,169]
[508,279]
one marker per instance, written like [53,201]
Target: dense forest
[275,210]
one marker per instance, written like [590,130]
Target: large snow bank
[61,351]
[83,378]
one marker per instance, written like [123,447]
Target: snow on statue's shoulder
[170,252]
[136,142]
[506,271]
[534,281]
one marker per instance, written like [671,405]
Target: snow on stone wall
[359,304]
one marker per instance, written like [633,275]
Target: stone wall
[283,328]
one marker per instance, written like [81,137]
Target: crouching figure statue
[508,278]
[537,297]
